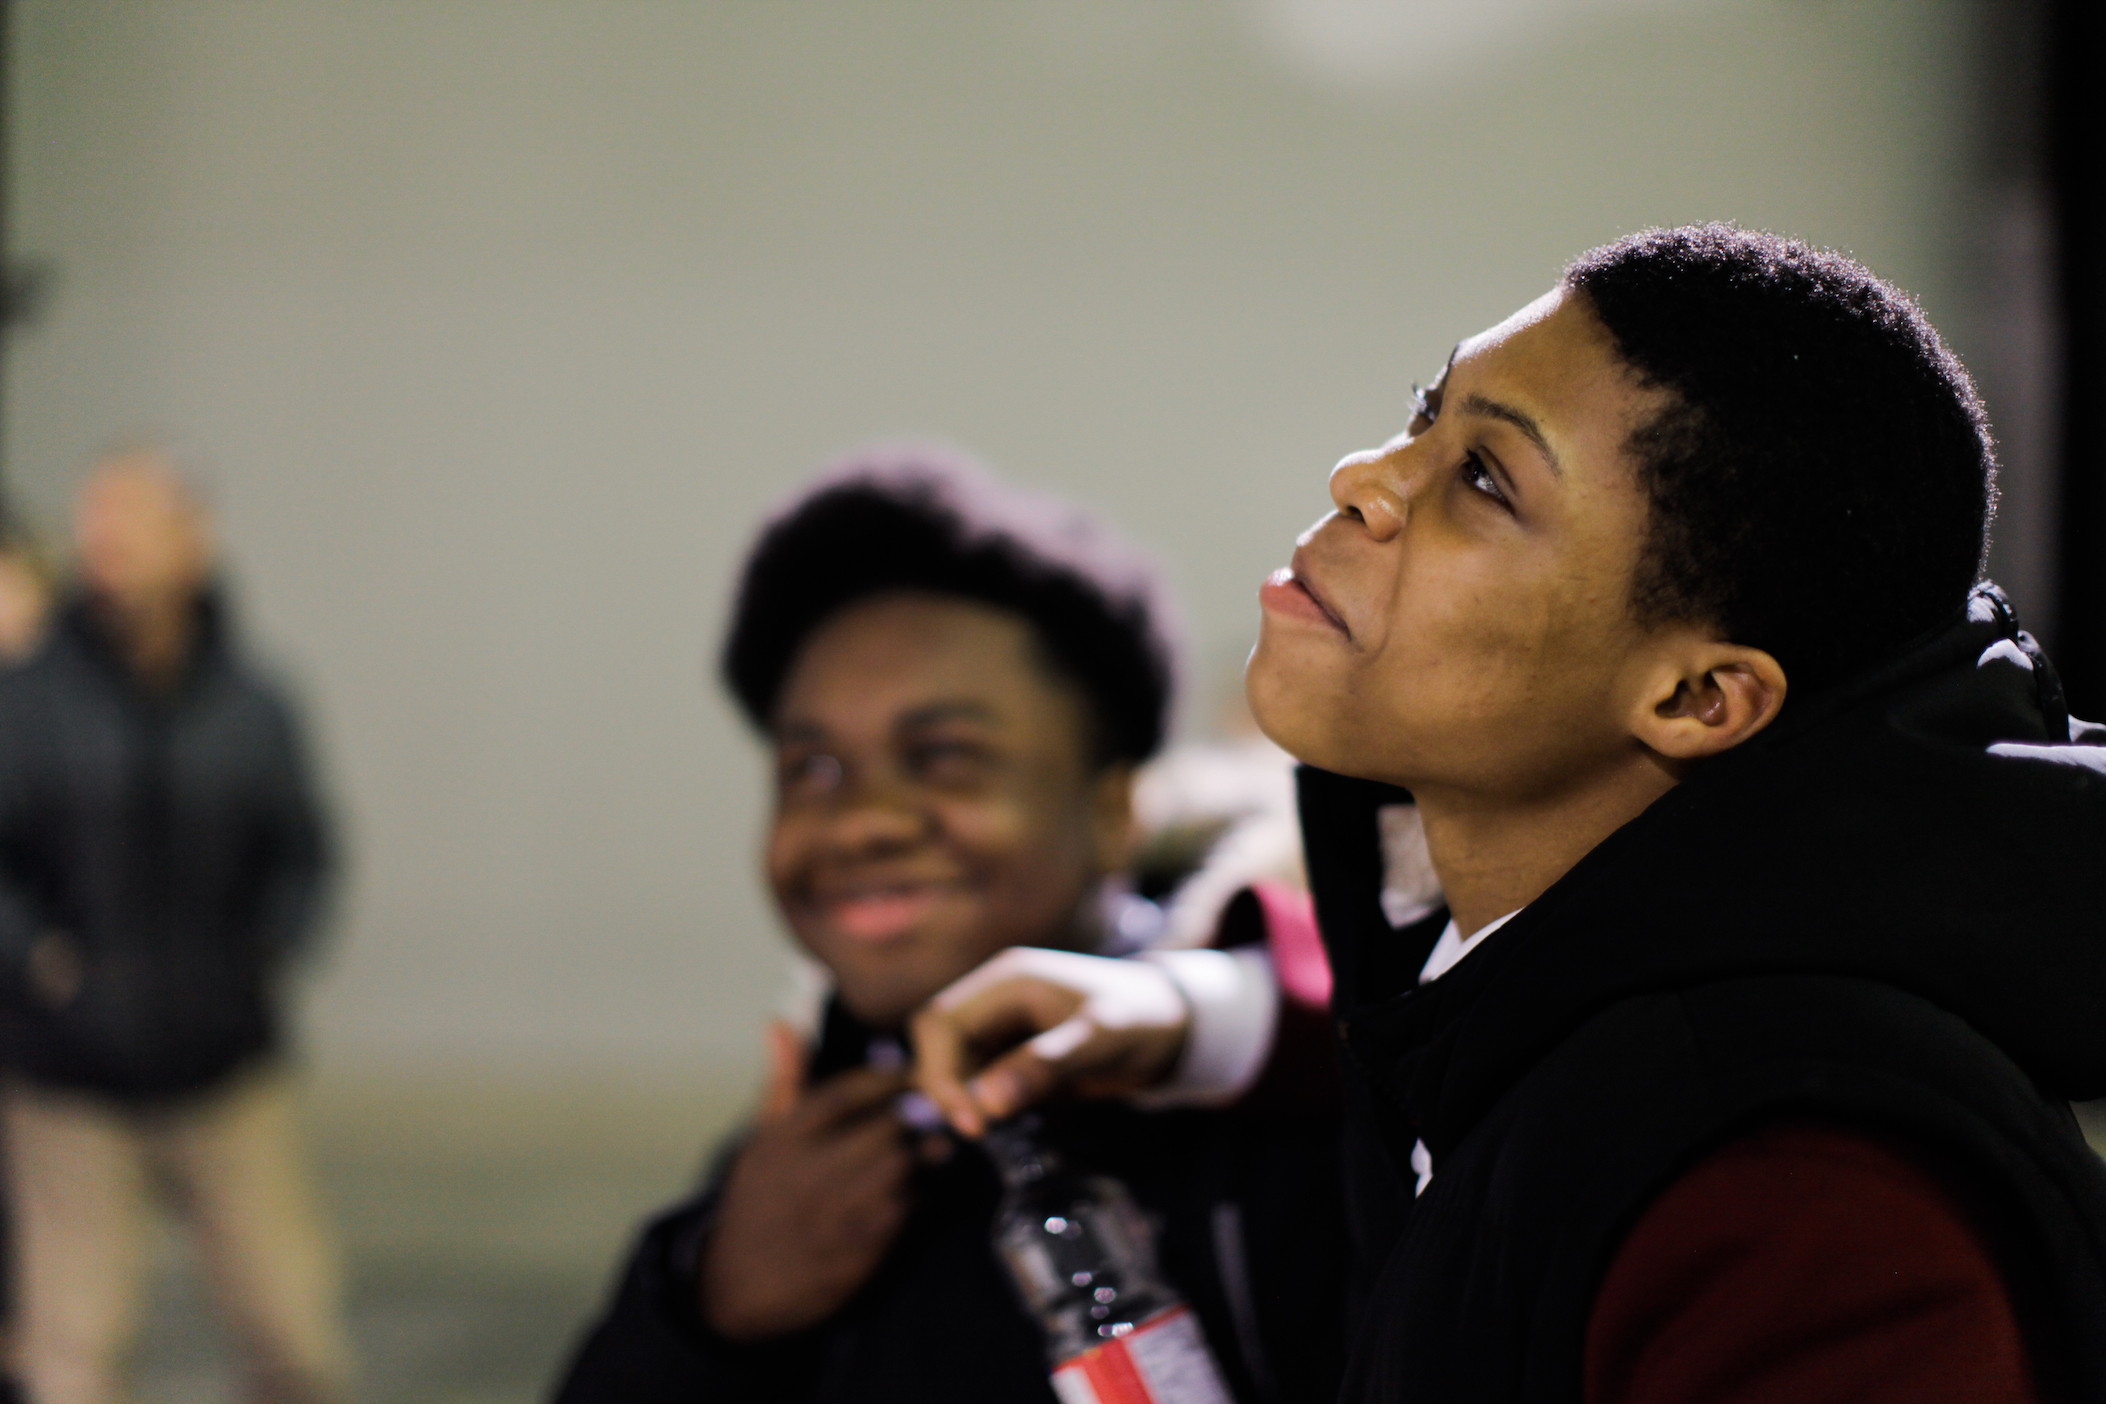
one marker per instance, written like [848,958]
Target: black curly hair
[1822,478]
[918,518]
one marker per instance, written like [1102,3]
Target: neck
[155,636]
[1496,855]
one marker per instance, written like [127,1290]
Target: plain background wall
[497,324]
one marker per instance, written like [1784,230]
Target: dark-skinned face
[1462,621]
[936,800]
[143,540]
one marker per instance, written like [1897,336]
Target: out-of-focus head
[1707,457]
[25,601]
[958,679]
[143,536]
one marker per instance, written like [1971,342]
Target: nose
[1370,487]
[874,815]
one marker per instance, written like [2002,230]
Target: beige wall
[499,322]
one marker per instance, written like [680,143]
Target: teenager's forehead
[901,647]
[1535,312]
[1552,370]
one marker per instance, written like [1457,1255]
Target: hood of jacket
[1932,825]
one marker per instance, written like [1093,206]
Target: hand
[56,971]
[1031,1022]
[811,1204]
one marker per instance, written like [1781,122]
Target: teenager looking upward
[957,681]
[1737,1067]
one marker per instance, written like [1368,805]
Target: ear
[1111,816]
[1701,696]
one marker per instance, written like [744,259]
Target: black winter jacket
[1887,912]
[1251,1233]
[172,840]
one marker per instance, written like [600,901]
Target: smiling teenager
[957,681]
[1737,1066]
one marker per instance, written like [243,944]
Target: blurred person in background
[25,600]
[25,609]
[959,681]
[162,855]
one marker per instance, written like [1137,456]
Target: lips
[878,913]
[1287,591]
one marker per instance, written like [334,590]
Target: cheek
[986,831]
[1034,851]
[1522,667]
[1464,637]
[1012,839]
[1476,661]
[785,853]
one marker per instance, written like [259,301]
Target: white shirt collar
[1453,946]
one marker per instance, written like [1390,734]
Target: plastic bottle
[1083,1257]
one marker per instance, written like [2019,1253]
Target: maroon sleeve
[1802,1264]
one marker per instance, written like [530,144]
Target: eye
[811,773]
[1478,478]
[949,762]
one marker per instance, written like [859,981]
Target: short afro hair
[1821,480]
[918,518]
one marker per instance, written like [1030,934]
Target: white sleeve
[1234,999]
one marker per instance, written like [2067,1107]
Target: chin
[1285,708]
[879,1001]
[882,988]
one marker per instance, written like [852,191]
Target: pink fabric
[1297,950]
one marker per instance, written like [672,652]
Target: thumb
[786,1064]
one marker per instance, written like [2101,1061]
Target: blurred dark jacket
[166,844]
[1251,1233]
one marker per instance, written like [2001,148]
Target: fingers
[952,1032]
[848,1097]
[793,1242]
[862,1224]
[941,1066]
[1137,1022]
[1021,992]
[1029,1074]
[786,1065]
[869,1156]
[843,1097]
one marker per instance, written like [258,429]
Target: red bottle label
[1163,1360]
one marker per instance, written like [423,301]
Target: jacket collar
[85,625]
[1871,833]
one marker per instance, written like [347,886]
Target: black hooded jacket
[1887,912]
[171,842]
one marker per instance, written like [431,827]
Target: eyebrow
[936,713]
[933,714]
[1507,414]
